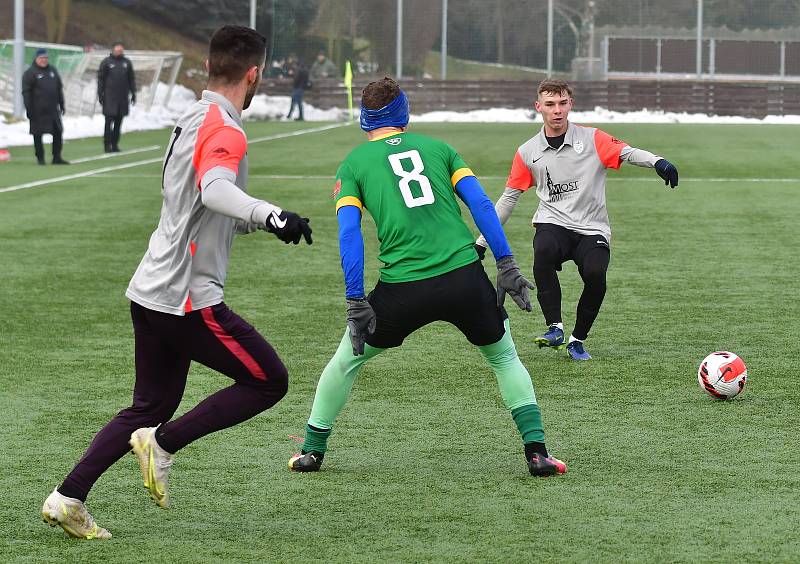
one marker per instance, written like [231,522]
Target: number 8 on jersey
[406,177]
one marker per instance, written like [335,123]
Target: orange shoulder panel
[217,144]
[608,148]
[520,176]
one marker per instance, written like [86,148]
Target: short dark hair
[120,43]
[232,51]
[554,86]
[379,93]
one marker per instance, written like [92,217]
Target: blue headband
[393,114]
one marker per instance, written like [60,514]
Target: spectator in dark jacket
[323,67]
[43,95]
[115,82]
[299,75]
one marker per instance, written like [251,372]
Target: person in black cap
[43,95]
[115,82]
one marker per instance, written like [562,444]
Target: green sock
[333,389]
[316,439]
[529,422]
[515,385]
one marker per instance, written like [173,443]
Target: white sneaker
[71,515]
[154,462]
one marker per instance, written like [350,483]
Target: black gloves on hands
[511,281]
[481,250]
[361,321]
[667,171]
[288,226]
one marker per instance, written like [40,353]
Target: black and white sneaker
[306,461]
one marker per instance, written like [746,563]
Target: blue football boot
[554,338]
[577,352]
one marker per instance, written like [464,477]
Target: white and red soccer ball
[722,375]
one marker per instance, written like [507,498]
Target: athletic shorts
[571,245]
[464,297]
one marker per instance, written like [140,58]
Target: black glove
[511,281]
[481,250]
[361,322]
[667,171]
[288,226]
[133,100]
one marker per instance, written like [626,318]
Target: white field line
[113,155]
[77,175]
[97,171]
[298,132]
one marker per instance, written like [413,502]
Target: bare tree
[581,22]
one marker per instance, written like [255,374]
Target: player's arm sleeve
[351,249]
[221,195]
[480,206]
[639,157]
[520,179]
[608,149]
[349,207]
[217,164]
[504,208]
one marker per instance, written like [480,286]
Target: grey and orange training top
[204,205]
[571,180]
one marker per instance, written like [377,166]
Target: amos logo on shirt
[559,191]
[394,141]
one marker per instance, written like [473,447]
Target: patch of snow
[79,127]
[264,107]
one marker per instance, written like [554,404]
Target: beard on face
[251,91]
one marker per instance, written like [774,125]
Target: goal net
[156,73]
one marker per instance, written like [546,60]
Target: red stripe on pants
[232,344]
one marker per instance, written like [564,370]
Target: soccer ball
[722,375]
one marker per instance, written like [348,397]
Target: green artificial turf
[425,464]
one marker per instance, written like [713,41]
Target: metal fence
[516,39]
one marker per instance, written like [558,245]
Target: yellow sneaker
[154,462]
[71,515]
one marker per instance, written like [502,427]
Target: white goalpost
[156,73]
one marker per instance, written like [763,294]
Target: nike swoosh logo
[277,222]
[534,160]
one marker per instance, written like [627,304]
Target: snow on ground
[276,107]
[598,115]
[78,127]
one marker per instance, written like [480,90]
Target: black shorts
[570,245]
[463,297]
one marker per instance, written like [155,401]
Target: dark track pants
[553,245]
[112,131]
[58,143]
[165,346]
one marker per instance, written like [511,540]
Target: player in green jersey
[431,271]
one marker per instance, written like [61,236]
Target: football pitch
[425,463]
